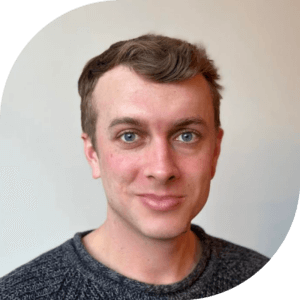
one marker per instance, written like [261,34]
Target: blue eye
[129,137]
[186,137]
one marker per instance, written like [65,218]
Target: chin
[164,231]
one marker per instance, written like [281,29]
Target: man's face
[157,151]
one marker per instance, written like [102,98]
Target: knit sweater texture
[69,272]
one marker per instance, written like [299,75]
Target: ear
[217,151]
[91,155]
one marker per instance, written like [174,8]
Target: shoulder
[230,262]
[40,277]
[235,262]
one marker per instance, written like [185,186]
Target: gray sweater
[69,272]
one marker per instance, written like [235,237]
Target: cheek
[197,178]
[118,168]
[197,167]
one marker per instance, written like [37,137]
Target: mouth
[161,202]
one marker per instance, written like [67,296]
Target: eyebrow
[190,121]
[125,120]
[178,124]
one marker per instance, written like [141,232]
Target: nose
[161,163]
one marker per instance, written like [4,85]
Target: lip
[161,202]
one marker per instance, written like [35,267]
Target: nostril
[172,178]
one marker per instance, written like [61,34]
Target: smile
[161,203]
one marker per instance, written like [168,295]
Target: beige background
[46,189]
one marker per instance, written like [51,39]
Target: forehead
[123,93]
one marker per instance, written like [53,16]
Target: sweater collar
[94,270]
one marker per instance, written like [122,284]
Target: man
[151,132]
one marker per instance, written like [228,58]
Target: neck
[144,259]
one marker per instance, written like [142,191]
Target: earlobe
[91,155]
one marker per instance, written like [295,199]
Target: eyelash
[195,133]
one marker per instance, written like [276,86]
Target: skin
[159,155]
